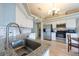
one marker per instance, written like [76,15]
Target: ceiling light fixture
[53,11]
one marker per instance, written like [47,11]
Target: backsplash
[14,31]
[2,32]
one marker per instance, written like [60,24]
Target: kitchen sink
[28,47]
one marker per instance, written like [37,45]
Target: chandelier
[53,11]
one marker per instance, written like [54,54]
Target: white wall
[7,13]
[22,20]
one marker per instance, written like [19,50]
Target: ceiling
[41,9]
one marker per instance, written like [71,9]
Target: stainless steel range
[61,30]
[61,34]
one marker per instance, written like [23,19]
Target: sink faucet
[7,33]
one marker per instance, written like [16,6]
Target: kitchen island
[40,51]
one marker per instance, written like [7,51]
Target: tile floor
[60,49]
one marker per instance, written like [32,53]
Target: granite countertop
[38,52]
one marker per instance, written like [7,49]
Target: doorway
[39,30]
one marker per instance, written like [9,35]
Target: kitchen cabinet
[53,35]
[46,53]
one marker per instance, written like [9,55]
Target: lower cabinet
[46,53]
[53,35]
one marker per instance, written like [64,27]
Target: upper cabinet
[71,24]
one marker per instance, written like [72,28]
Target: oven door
[61,34]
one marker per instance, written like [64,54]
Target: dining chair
[72,44]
